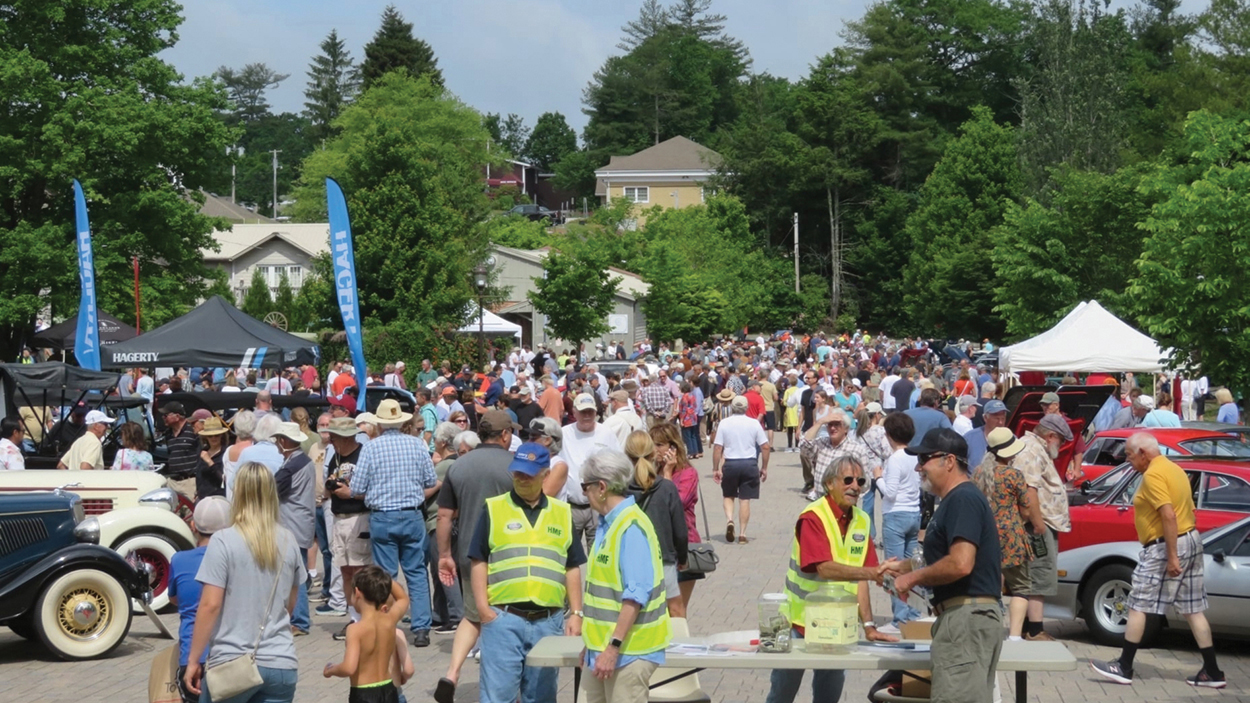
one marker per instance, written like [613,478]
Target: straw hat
[213,426]
[389,413]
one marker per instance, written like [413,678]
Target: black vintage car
[57,586]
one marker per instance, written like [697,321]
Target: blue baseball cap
[994,406]
[530,459]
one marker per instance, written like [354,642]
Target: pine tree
[333,81]
[394,47]
[256,302]
[246,88]
[284,299]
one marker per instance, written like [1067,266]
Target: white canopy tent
[1089,339]
[491,324]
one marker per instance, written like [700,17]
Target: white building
[274,248]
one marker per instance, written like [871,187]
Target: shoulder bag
[230,678]
[701,556]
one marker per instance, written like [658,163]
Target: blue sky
[522,56]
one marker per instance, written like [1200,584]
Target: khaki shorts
[1016,580]
[967,641]
[346,544]
[1043,571]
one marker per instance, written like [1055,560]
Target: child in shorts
[371,641]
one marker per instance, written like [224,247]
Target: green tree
[576,294]
[1193,276]
[257,301]
[409,159]
[947,288]
[246,88]
[333,81]
[291,135]
[679,305]
[284,300]
[510,133]
[393,47]
[87,96]
[551,140]
[518,232]
[219,284]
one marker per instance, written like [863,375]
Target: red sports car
[1221,495]
[1106,449]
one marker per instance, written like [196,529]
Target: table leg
[678,677]
[577,682]
[1022,686]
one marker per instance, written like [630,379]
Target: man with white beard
[1046,490]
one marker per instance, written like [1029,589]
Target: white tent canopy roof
[1089,339]
[491,324]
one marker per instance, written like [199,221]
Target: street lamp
[480,280]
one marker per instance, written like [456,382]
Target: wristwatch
[579,614]
[616,642]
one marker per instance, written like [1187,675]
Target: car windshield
[1217,447]
[1099,486]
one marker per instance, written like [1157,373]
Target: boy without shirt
[372,641]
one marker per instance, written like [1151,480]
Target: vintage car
[1094,584]
[1106,450]
[57,586]
[134,510]
[1221,493]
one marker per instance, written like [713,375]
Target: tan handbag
[163,677]
[230,678]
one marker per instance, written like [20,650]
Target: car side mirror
[1085,488]
[1219,556]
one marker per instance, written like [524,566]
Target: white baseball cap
[95,416]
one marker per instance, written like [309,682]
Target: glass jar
[774,623]
[832,618]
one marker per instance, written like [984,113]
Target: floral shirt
[1011,495]
[689,410]
[1039,472]
[132,460]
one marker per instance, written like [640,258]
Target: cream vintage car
[136,512]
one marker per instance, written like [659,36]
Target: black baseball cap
[941,441]
[173,407]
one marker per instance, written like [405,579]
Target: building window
[267,275]
[638,194]
[295,275]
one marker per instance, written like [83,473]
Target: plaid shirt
[393,471]
[656,399]
[823,453]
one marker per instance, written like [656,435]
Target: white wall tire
[156,551]
[82,614]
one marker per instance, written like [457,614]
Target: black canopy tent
[215,334]
[62,336]
[51,384]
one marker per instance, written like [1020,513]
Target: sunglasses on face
[848,480]
[836,424]
[588,484]
[461,421]
[926,458]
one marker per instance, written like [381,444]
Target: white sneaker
[889,629]
[809,496]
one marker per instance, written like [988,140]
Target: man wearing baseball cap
[87,452]
[211,514]
[525,564]
[184,449]
[581,438]
[994,415]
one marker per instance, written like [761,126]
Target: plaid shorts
[1153,590]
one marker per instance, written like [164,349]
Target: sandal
[742,540]
[729,532]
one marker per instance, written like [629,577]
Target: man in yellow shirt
[1169,569]
[87,453]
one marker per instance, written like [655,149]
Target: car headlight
[161,498]
[88,531]
[80,513]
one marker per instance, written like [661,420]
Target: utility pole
[234,152]
[796,252]
[275,153]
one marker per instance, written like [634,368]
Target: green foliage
[409,160]
[551,140]
[948,289]
[333,81]
[1192,279]
[246,88]
[87,97]
[290,134]
[576,293]
[284,302]
[576,172]
[1048,258]
[680,305]
[517,232]
[257,301]
[509,133]
[394,47]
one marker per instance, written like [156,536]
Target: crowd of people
[542,495]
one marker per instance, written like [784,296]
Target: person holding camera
[349,538]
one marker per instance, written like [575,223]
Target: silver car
[1094,585]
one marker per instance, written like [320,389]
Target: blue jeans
[691,437]
[300,616]
[398,538]
[868,503]
[447,603]
[278,687]
[901,531]
[785,683]
[509,638]
[323,543]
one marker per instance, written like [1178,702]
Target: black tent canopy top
[57,376]
[215,334]
[63,335]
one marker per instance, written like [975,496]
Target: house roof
[631,286]
[215,206]
[676,154]
[312,239]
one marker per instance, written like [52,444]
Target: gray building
[517,270]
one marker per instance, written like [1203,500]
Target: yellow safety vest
[527,563]
[850,552]
[604,593]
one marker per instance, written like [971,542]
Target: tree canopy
[393,47]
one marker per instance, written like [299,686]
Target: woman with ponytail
[659,499]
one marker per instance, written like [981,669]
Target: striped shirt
[393,471]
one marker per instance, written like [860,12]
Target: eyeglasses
[836,424]
[926,458]
[848,480]
[588,484]
[461,421]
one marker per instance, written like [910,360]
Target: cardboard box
[916,683]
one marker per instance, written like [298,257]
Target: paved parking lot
[723,602]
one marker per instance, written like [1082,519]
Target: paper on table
[897,646]
[691,649]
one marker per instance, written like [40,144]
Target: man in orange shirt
[551,402]
[1169,569]
[345,379]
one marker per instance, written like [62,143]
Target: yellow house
[670,174]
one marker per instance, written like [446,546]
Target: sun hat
[213,426]
[1002,443]
[726,396]
[389,413]
[291,431]
[342,426]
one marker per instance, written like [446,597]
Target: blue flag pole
[87,338]
[344,258]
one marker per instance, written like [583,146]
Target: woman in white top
[899,485]
[243,425]
[820,411]
[231,384]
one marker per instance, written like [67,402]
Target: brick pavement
[723,602]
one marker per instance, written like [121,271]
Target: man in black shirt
[526,409]
[902,390]
[350,551]
[184,449]
[964,569]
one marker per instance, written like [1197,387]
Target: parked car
[536,213]
[135,513]
[57,586]
[608,367]
[1094,584]
[1106,450]
[1221,495]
